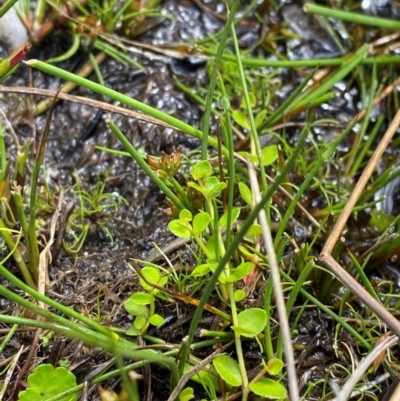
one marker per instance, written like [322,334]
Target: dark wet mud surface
[99,272]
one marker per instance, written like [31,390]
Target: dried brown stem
[326,254]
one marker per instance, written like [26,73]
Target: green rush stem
[352,167]
[310,176]
[95,339]
[365,280]
[213,79]
[13,247]
[347,67]
[286,105]
[42,298]
[262,62]
[182,193]
[6,6]
[292,298]
[3,153]
[329,312]
[255,143]
[8,337]
[119,97]
[269,349]
[352,17]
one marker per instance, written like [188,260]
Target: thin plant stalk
[356,18]
[279,298]
[32,243]
[213,78]
[310,176]
[262,62]
[348,66]
[6,6]
[13,247]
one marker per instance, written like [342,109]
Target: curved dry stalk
[357,375]
[326,253]
[86,101]
[276,278]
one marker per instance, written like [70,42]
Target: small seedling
[142,304]
[46,382]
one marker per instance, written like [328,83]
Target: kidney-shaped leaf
[200,222]
[274,366]
[268,388]
[228,369]
[251,322]
[46,382]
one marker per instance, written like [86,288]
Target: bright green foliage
[186,394]
[228,369]
[268,388]
[253,101]
[245,193]
[201,170]
[269,154]
[239,295]
[182,227]
[4,67]
[142,298]
[211,187]
[380,220]
[251,322]
[179,229]
[141,305]
[274,366]
[235,212]
[46,382]
[241,119]
[239,273]
[200,222]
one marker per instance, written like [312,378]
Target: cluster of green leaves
[94,207]
[142,304]
[46,382]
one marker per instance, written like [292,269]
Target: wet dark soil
[99,272]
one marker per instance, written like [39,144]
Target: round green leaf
[142,298]
[179,229]
[240,272]
[241,119]
[135,309]
[245,193]
[201,270]
[260,117]
[156,320]
[200,222]
[239,295]
[46,382]
[268,388]
[269,154]
[201,170]
[140,323]
[228,369]
[185,216]
[152,275]
[253,101]
[234,216]
[186,394]
[274,366]
[251,322]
